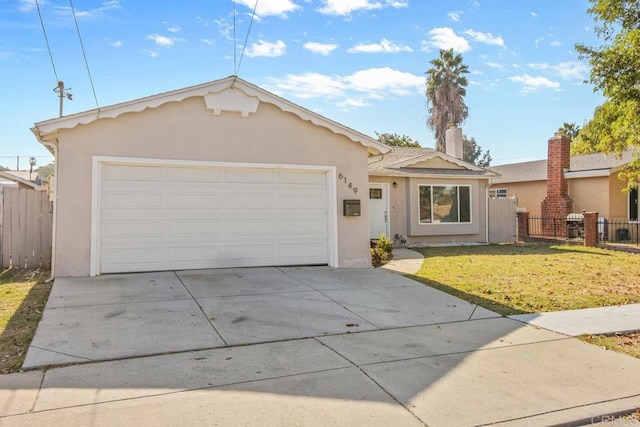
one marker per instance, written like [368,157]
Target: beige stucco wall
[618,201]
[590,195]
[188,131]
[404,219]
[529,194]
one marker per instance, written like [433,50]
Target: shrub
[381,252]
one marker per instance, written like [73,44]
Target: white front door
[378,210]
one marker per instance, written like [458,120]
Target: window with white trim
[633,204]
[498,193]
[445,204]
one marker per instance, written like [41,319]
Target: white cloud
[270,7]
[535,15]
[385,46]
[226,29]
[174,29]
[556,43]
[346,7]
[538,40]
[352,103]
[446,38]
[91,14]
[354,90]
[162,41]
[487,38]
[116,43]
[208,42]
[494,65]
[570,70]
[151,53]
[532,84]
[311,85]
[28,5]
[455,15]
[264,48]
[323,49]
[377,81]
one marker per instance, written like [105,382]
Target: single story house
[423,196]
[590,182]
[223,174]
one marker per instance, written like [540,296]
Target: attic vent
[232,100]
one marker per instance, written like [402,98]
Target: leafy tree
[570,129]
[446,89]
[615,71]
[395,140]
[473,153]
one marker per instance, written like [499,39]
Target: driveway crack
[202,310]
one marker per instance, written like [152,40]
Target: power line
[46,39]
[253,15]
[84,55]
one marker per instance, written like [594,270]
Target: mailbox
[351,207]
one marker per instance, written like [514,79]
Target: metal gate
[502,220]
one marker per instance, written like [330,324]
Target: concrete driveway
[301,346]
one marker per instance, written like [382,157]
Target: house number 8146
[349,185]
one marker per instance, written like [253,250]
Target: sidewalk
[589,321]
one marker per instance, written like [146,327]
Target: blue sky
[359,62]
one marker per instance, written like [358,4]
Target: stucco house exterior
[423,196]
[223,174]
[588,182]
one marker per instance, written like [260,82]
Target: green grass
[23,295]
[622,343]
[533,278]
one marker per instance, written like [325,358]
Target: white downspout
[54,192]
[486,207]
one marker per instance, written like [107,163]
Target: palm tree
[570,129]
[446,89]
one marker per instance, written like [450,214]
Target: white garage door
[167,217]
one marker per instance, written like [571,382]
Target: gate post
[523,227]
[590,228]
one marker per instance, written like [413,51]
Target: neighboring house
[13,179]
[224,174]
[591,182]
[424,196]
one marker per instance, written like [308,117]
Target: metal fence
[618,231]
[613,230]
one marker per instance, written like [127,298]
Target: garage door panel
[196,175]
[210,217]
[250,226]
[132,228]
[119,259]
[203,228]
[249,200]
[250,176]
[301,178]
[134,173]
[137,200]
[193,200]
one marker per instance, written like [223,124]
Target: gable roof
[409,161]
[228,94]
[585,165]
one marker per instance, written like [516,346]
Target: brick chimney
[453,141]
[557,204]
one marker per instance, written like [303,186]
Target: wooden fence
[25,228]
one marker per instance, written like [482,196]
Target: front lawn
[533,278]
[23,294]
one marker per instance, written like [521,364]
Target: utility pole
[62,93]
